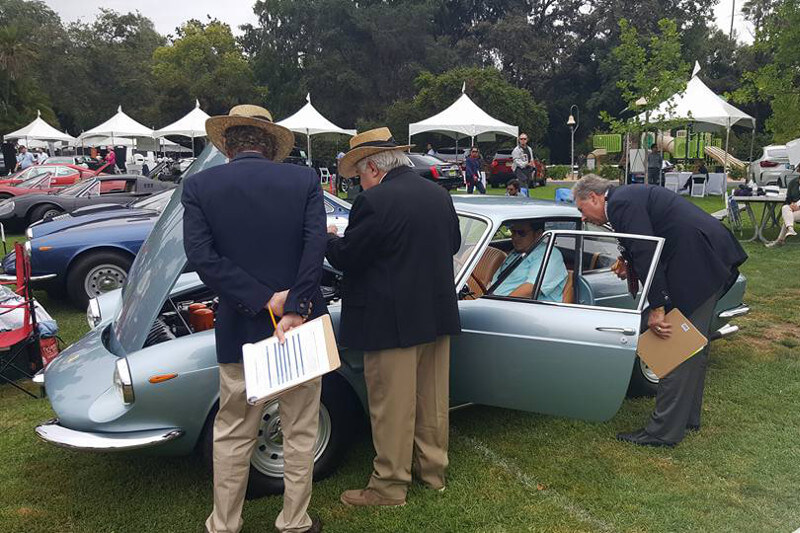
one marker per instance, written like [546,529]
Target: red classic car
[38,184]
[62,175]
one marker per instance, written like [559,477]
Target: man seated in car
[519,282]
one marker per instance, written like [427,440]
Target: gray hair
[588,184]
[385,161]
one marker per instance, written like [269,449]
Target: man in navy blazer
[254,230]
[699,263]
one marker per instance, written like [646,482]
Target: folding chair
[324,175]
[672,182]
[734,217]
[698,186]
[16,342]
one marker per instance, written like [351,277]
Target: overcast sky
[169,14]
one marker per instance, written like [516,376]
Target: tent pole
[193,146]
[752,142]
[727,139]
[308,138]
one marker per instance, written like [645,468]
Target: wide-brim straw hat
[250,115]
[366,144]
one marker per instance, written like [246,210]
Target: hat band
[389,143]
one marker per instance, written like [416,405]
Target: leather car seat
[488,264]
[569,288]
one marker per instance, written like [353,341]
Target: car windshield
[504,153]
[33,183]
[474,232]
[75,190]
[157,202]
[777,153]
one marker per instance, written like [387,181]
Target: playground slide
[666,143]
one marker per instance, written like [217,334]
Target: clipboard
[271,368]
[664,355]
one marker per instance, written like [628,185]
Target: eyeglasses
[474,151]
[523,138]
[520,232]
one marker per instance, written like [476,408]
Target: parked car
[155,380]
[500,169]
[121,189]
[448,175]
[452,154]
[78,160]
[772,168]
[88,254]
[63,175]
[42,183]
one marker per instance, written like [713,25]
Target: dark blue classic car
[91,251]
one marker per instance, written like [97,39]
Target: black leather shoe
[692,427]
[643,438]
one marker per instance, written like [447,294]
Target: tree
[649,73]
[203,62]
[777,82]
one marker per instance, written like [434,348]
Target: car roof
[501,208]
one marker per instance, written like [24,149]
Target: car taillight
[434,173]
[494,163]
[768,164]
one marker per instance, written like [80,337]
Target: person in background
[401,226]
[429,149]
[513,188]
[473,172]
[519,282]
[699,263]
[790,212]
[111,161]
[523,164]
[700,168]
[654,164]
[41,156]
[25,159]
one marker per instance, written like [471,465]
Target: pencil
[272,316]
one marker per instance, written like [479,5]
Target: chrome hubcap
[647,372]
[267,457]
[104,278]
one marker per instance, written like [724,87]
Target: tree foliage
[204,62]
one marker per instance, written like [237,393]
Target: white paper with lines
[271,367]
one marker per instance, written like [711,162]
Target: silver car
[143,378]
[772,168]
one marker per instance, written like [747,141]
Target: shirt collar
[247,155]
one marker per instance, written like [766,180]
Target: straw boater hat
[250,115]
[366,144]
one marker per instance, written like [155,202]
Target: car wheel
[344,185]
[643,382]
[95,274]
[42,212]
[4,196]
[339,410]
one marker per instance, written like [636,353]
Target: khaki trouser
[235,433]
[789,218]
[408,392]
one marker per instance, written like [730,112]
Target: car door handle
[624,331]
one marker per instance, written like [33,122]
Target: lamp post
[573,125]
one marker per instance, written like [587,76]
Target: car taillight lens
[768,164]
[494,163]
[435,173]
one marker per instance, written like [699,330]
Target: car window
[64,171]
[503,153]
[421,159]
[474,231]
[78,188]
[157,202]
[328,208]
[112,186]
[777,153]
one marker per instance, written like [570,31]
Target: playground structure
[666,143]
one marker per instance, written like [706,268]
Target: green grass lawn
[510,471]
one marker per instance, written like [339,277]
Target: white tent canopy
[120,125]
[309,121]
[462,117]
[153,144]
[39,130]
[193,124]
[698,103]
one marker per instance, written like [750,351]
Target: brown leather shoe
[368,498]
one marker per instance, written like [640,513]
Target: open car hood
[158,264]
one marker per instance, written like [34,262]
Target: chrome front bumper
[54,433]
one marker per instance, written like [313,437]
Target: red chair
[17,342]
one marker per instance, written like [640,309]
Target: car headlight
[28,248]
[6,207]
[93,315]
[122,380]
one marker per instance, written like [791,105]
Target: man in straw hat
[400,307]
[254,230]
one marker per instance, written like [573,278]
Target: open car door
[571,357]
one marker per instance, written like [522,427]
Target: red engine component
[201,317]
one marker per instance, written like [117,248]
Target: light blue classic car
[142,378]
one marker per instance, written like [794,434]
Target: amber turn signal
[162,377]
